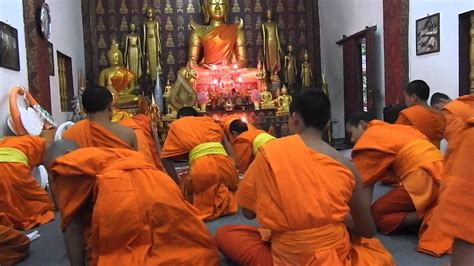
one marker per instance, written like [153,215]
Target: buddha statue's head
[215,10]
[291,48]
[269,14]
[150,12]
[284,90]
[133,27]
[306,55]
[114,55]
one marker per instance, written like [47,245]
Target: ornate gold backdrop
[103,20]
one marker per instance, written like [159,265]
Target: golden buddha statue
[133,51]
[290,67]
[222,46]
[152,44]
[118,79]
[167,91]
[284,101]
[306,72]
[267,98]
[271,44]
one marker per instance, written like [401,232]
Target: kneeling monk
[123,211]
[23,201]
[382,148]
[245,142]
[304,196]
[455,213]
[212,178]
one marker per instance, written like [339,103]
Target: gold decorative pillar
[471,54]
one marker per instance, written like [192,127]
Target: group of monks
[122,202]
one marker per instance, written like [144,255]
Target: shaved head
[58,149]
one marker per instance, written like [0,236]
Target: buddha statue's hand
[190,72]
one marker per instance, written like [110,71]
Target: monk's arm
[134,141]
[230,151]
[169,167]
[248,214]
[156,138]
[73,236]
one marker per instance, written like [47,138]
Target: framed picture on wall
[9,55]
[427,35]
[51,58]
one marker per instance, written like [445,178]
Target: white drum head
[61,129]
[31,121]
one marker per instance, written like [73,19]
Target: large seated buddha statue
[223,50]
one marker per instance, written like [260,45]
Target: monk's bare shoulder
[125,133]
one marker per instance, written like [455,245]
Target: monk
[97,130]
[419,115]
[14,244]
[118,209]
[455,212]
[212,178]
[147,137]
[307,197]
[382,148]
[246,141]
[24,203]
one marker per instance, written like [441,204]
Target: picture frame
[428,34]
[9,52]
[51,58]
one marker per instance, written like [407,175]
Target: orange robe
[219,44]
[225,122]
[14,245]
[132,214]
[211,178]
[300,198]
[22,200]
[426,120]
[418,166]
[455,213]
[141,125]
[90,134]
[243,147]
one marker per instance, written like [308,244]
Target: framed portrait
[51,58]
[427,35]
[9,55]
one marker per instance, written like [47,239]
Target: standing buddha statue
[306,72]
[271,44]
[133,51]
[152,44]
[290,67]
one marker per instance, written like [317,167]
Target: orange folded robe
[141,125]
[426,120]
[455,213]
[22,200]
[244,145]
[212,178]
[90,134]
[14,245]
[417,164]
[132,214]
[301,197]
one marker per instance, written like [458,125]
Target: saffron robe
[301,197]
[141,125]
[243,146]
[455,212]
[14,244]
[213,178]
[219,44]
[22,200]
[417,164]
[132,213]
[428,121]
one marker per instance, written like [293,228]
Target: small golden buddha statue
[284,101]
[267,99]
[133,51]
[167,91]
[271,44]
[118,79]
[290,67]
[169,24]
[306,72]
[152,44]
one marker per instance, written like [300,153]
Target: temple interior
[247,58]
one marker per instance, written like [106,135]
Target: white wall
[11,12]
[439,70]
[68,38]
[338,17]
